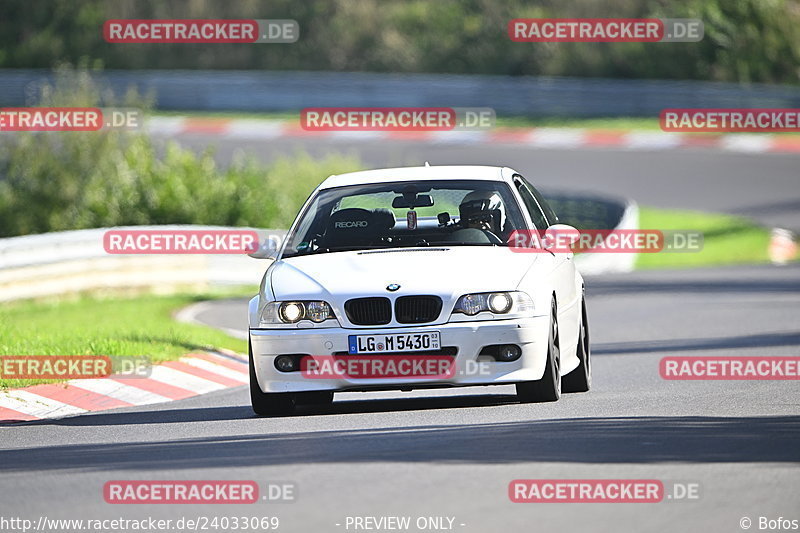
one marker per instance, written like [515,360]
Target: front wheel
[580,379]
[315,398]
[547,389]
[268,403]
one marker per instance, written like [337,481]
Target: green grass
[611,124]
[728,240]
[288,116]
[138,326]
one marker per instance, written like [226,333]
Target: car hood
[446,272]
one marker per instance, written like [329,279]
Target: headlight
[293,312]
[514,303]
[318,312]
[471,304]
[499,302]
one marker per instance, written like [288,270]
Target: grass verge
[728,240]
[139,326]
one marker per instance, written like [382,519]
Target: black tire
[268,403]
[316,398]
[580,379]
[547,389]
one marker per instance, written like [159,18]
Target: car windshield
[406,214]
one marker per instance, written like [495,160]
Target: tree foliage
[745,40]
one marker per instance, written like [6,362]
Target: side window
[533,208]
[548,211]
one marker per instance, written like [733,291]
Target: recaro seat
[350,228]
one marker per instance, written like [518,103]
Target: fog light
[509,352]
[286,363]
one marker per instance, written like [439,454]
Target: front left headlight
[510,304]
[293,312]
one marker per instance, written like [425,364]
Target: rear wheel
[268,403]
[580,379]
[547,389]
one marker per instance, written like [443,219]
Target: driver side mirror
[268,249]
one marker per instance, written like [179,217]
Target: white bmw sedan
[404,278]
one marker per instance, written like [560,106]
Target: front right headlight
[511,304]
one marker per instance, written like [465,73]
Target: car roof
[444,172]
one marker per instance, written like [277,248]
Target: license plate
[395,342]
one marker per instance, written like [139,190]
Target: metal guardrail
[36,266]
[524,95]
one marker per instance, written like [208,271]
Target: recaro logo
[352,224]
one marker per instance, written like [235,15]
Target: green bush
[74,180]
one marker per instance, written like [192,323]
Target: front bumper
[469,338]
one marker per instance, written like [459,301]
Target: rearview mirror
[421,200]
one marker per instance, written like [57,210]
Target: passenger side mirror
[268,249]
[560,237]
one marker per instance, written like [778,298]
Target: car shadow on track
[622,440]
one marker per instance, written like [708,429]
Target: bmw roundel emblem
[392,287]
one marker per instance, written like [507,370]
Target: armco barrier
[204,90]
[37,266]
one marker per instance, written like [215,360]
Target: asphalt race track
[453,452]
